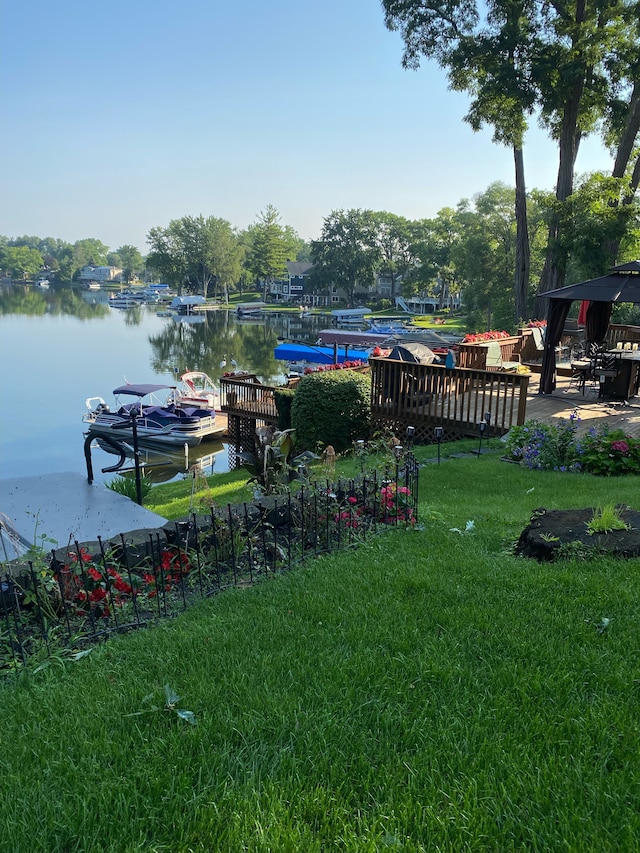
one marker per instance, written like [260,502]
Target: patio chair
[581,371]
[494,360]
[584,368]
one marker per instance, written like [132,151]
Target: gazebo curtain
[597,321]
[556,316]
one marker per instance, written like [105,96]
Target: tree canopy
[346,255]
[574,65]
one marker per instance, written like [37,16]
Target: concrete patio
[63,508]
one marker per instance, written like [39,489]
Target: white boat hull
[116,428]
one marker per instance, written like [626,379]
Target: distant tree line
[471,249]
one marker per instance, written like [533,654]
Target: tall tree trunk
[522,239]
[629,134]
[623,156]
[555,263]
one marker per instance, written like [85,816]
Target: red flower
[97,594]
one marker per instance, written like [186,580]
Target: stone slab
[64,507]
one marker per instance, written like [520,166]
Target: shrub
[546,446]
[610,453]
[283,398]
[125,484]
[331,408]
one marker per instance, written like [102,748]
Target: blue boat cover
[318,355]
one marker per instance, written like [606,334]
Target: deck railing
[246,396]
[428,395]
[621,332]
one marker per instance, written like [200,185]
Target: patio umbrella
[621,284]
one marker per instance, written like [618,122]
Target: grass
[425,692]
[176,500]
[605,519]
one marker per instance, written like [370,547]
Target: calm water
[62,346]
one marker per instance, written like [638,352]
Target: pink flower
[620,446]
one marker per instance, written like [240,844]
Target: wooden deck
[548,408]
[509,398]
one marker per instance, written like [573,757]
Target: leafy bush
[610,453]
[331,408]
[283,398]
[547,446]
[557,447]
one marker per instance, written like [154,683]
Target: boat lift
[119,448]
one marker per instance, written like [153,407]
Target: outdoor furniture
[607,369]
[494,358]
[581,371]
[620,375]
[622,284]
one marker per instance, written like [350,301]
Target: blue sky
[121,116]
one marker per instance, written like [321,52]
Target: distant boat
[244,309]
[43,283]
[186,304]
[125,299]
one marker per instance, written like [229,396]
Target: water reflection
[161,466]
[27,301]
[74,346]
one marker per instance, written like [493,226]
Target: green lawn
[425,692]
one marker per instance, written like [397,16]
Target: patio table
[626,383]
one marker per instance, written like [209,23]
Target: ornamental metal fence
[71,599]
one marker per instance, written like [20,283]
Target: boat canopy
[319,355]
[141,390]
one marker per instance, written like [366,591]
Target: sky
[118,117]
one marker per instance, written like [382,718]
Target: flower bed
[480,337]
[345,365]
[603,452]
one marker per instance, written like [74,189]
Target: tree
[21,261]
[269,246]
[89,252]
[224,254]
[393,238]
[588,60]
[484,256]
[129,259]
[346,255]
[167,255]
[595,217]
[195,252]
[489,60]
[573,63]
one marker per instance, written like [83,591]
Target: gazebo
[622,284]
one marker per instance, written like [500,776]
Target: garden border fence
[80,599]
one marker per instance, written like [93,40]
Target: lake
[62,346]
